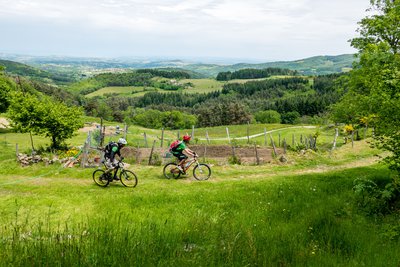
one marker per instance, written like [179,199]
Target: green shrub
[377,199]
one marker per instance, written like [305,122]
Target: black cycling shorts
[180,155]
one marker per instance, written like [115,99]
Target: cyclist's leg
[182,158]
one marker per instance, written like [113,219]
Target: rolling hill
[88,66]
[20,69]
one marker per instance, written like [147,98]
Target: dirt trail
[259,134]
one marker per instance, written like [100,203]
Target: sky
[258,30]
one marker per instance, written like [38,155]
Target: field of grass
[123,90]
[199,86]
[294,135]
[302,213]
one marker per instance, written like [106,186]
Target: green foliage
[15,68]
[223,112]
[318,65]
[253,73]
[43,116]
[375,199]
[111,79]
[6,86]
[234,160]
[373,86]
[290,117]
[268,116]
[177,74]
[156,119]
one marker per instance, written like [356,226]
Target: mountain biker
[179,150]
[112,149]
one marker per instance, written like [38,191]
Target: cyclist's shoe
[180,169]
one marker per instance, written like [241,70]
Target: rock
[282,159]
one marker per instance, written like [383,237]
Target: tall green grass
[303,213]
[291,220]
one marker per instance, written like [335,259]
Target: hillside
[318,65]
[88,66]
[15,68]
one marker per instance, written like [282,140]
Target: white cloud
[230,28]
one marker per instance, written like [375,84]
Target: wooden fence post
[162,137]
[248,133]
[284,145]
[192,132]
[279,139]
[335,138]
[84,154]
[16,150]
[352,139]
[227,133]
[208,139]
[273,145]
[205,152]
[257,158]
[101,141]
[125,130]
[103,135]
[145,140]
[265,137]
[151,152]
[90,138]
[33,148]
[293,138]
[177,135]
[138,155]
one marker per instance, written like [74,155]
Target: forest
[295,98]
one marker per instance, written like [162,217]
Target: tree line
[253,74]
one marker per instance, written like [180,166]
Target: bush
[290,117]
[268,116]
[377,199]
[234,160]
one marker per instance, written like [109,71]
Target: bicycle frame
[120,166]
[189,163]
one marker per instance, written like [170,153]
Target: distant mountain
[317,65]
[76,67]
[16,68]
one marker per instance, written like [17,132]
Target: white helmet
[122,141]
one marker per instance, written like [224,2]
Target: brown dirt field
[218,153]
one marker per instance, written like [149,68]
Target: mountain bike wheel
[128,178]
[202,172]
[100,177]
[171,171]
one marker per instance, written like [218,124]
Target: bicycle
[103,177]
[201,171]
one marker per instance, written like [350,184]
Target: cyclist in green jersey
[180,150]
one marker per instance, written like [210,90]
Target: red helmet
[186,138]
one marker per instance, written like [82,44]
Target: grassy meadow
[199,86]
[132,91]
[302,213]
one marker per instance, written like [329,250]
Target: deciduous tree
[374,84]
[43,116]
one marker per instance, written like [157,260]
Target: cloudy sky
[260,30]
